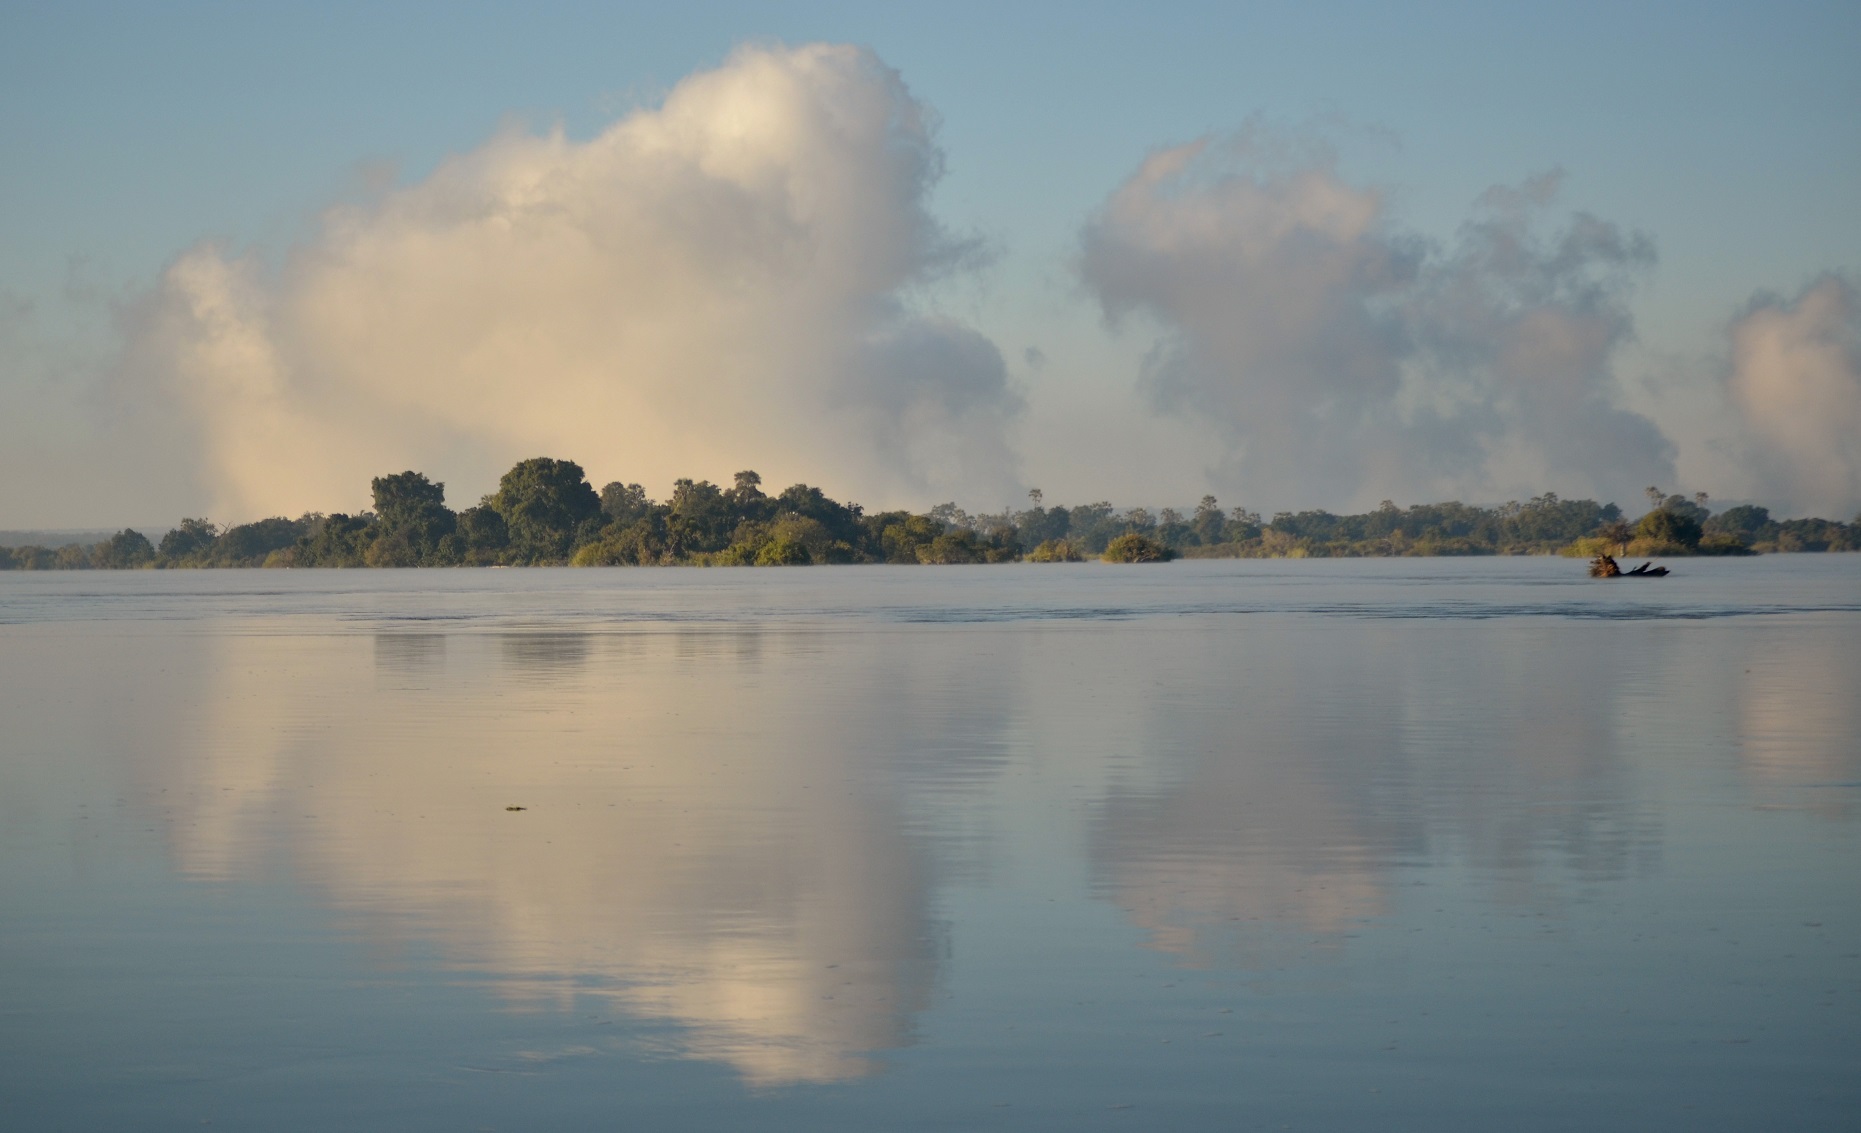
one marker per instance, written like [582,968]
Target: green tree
[1747,520]
[1694,509]
[34,557]
[959,545]
[544,504]
[188,539]
[840,520]
[1664,526]
[624,503]
[250,544]
[1039,524]
[1243,524]
[747,499]
[701,517]
[1208,521]
[1093,525]
[337,540]
[413,516]
[484,534]
[900,539]
[405,497]
[124,550]
[641,543]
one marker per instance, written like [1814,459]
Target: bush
[1656,549]
[1590,547]
[636,545]
[900,538]
[1723,544]
[959,546]
[783,551]
[1135,548]
[1056,551]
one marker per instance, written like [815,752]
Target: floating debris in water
[516,808]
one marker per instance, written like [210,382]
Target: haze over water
[1394,844]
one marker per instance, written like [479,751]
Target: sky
[1294,256]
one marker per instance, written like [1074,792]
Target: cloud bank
[717,283]
[1342,360]
[741,277]
[1795,383]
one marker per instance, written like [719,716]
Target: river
[1392,844]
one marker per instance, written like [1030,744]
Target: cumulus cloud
[1795,384]
[720,282]
[1342,360]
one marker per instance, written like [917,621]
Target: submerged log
[1604,566]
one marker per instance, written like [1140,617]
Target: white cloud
[1343,361]
[1795,384]
[718,283]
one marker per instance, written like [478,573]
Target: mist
[1342,359]
[1794,381]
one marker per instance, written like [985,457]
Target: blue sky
[1729,134]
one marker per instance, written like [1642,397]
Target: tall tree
[188,539]
[624,503]
[412,512]
[544,503]
[127,548]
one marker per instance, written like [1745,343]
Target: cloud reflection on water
[743,832]
[1797,694]
[1332,757]
[695,850]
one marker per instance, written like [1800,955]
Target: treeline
[545,512]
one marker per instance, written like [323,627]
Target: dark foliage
[545,512]
[122,551]
[545,504]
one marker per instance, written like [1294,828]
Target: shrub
[1721,543]
[783,551]
[1135,548]
[959,546]
[1057,551]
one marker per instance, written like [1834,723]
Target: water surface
[1424,844]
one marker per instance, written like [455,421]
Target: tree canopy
[546,512]
[545,504]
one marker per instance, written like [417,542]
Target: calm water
[1374,845]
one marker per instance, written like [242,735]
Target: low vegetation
[1134,548]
